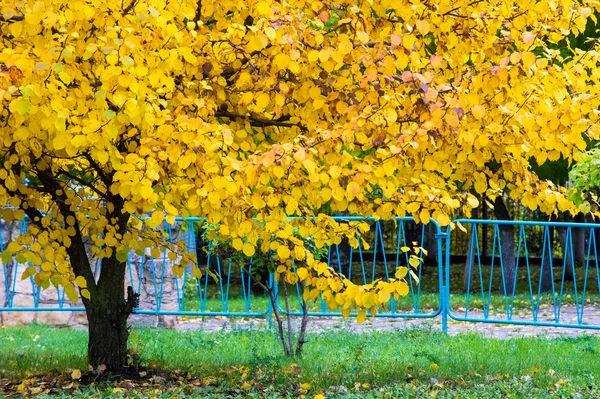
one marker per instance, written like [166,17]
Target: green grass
[338,363]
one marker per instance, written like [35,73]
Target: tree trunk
[107,312]
[507,247]
[341,264]
[471,253]
[547,273]
[430,243]
[579,241]
[567,250]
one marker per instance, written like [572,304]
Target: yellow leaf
[414,262]
[401,272]
[384,296]
[302,273]
[262,101]
[299,253]
[352,190]
[81,282]
[362,36]
[85,293]
[361,317]
[424,216]
[71,293]
[528,59]
[197,272]
[442,218]
[422,27]
[248,249]
[59,142]
[480,186]
[23,106]
[401,288]
[264,8]
[281,61]
[237,244]
[478,111]
[473,202]
[76,374]
[283,252]
[30,271]
[146,192]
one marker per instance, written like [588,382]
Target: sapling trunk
[289,316]
[286,350]
[303,324]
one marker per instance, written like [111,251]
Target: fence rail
[531,273]
[553,284]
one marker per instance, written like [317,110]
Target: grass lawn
[39,361]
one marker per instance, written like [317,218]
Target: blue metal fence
[538,273]
[386,238]
[532,273]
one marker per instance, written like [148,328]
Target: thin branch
[258,122]
[269,291]
[84,183]
[451,12]
[331,30]
[303,324]
[289,315]
[14,18]
[198,11]
[129,7]
[105,179]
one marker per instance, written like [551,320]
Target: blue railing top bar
[527,223]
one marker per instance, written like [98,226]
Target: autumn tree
[246,113]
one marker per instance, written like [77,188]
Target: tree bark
[468,275]
[342,265]
[303,324]
[107,312]
[430,243]
[471,252]
[547,273]
[579,241]
[567,251]
[507,247]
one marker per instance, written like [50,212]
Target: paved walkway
[503,331]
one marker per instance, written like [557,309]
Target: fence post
[443,270]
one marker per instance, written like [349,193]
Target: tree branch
[76,251]
[259,122]
[105,179]
[288,315]
[14,18]
[303,324]
[198,11]
[84,183]
[133,301]
[129,7]
[273,300]
[451,12]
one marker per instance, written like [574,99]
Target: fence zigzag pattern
[534,273]
[512,272]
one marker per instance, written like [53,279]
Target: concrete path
[568,315]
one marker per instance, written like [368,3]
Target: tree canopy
[251,112]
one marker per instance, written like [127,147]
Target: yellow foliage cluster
[250,112]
